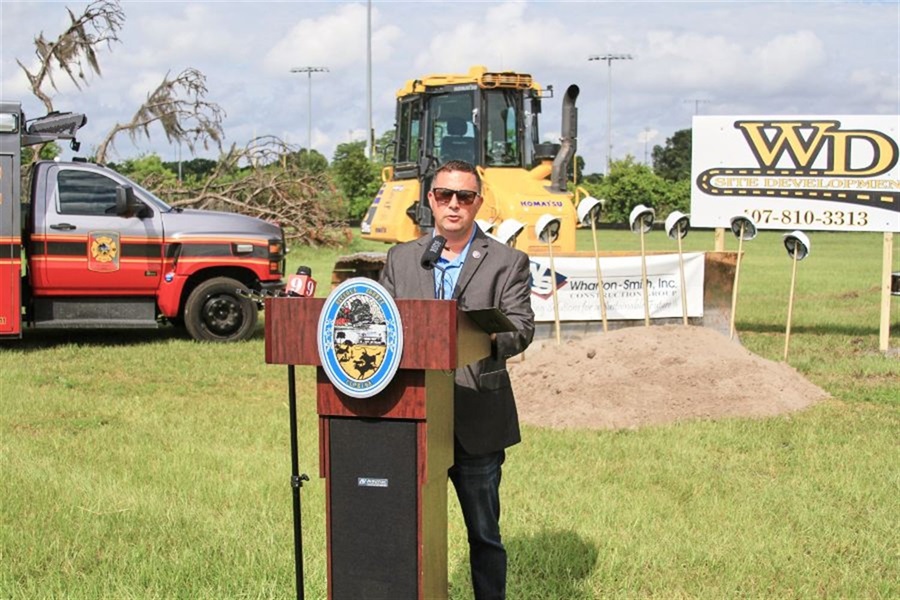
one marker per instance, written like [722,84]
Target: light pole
[309,71]
[370,137]
[609,58]
[646,139]
[697,102]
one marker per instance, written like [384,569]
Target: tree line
[664,185]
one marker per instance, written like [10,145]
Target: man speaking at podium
[478,272]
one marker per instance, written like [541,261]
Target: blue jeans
[477,483]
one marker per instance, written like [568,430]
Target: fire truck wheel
[215,312]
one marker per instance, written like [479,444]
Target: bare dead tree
[265,180]
[258,180]
[180,107]
[75,50]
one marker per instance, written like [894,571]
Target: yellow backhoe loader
[489,119]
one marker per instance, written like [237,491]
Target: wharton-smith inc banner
[578,296]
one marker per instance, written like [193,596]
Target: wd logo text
[806,143]
[811,159]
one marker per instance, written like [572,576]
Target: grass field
[144,465]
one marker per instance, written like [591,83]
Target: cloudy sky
[711,58]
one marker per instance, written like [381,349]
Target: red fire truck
[88,248]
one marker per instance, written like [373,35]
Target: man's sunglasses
[445,195]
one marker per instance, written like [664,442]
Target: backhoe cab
[489,119]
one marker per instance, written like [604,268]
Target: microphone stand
[297,480]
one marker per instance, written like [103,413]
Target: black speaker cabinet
[373,509]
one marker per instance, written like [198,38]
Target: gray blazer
[493,275]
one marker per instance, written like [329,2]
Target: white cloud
[687,61]
[507,36]
[336,40]
[787,59]
[183,35]
[695,61]
[881,88]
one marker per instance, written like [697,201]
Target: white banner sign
[576,287]
[837,173]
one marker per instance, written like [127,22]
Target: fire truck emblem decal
[360,337]
[103,251]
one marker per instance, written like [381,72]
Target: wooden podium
[385,458]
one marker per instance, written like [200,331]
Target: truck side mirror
[126,203]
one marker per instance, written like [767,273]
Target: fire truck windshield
[152,198]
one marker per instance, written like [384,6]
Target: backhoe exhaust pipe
[568,141]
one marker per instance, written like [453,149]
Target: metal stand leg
[297,480]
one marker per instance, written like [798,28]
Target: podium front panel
[373,511]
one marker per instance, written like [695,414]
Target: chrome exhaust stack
[568,141]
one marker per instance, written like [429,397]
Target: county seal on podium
[360,337]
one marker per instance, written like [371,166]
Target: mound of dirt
[639,376]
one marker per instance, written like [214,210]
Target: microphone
[433,252]
[302,284]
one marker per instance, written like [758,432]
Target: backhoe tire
[215,312]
